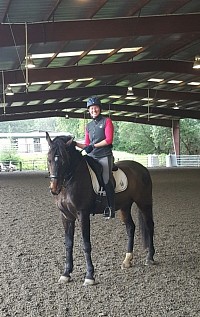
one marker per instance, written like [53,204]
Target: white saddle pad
[120,179]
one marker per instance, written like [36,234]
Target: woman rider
[98,144]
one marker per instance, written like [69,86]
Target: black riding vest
[96,131]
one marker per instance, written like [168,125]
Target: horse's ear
[68,143]
[48,138]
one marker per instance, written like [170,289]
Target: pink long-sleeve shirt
[109,133]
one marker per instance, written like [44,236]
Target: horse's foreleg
[69,243]
[85,228]
[130,229]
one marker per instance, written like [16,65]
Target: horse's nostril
[53,193]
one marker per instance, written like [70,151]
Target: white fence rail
[146,160]
[174,161]
[188,160]
[153,160]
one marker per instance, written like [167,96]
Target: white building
[32,142]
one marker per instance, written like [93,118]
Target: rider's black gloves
[88,148]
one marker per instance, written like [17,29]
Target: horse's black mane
[63,138]
[61,146]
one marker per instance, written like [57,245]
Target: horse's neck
[76,160]
[78,171]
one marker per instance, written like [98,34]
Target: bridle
[65,175]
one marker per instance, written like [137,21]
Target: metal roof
[136,55]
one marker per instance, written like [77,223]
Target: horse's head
[59,160]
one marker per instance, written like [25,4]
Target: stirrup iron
[108,213]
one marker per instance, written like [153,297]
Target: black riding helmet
[94,101]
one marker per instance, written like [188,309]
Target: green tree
[190,136]
[9,156]
[76,127]
[133,138]
[130,137]
[46,124]
[162,139]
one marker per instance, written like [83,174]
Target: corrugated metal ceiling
[164,34]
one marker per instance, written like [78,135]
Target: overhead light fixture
[194,83]
[176,105]
[29,62]
[129,49]
[114,96]
[130,91]
[98,52]
[70,54]
[62,81]
[41,56]
[40,83]
[84,79]
[162,100]
[174,81]
[8,91]
[156,80]
[130,97]
[196,64]
[147,99]
[18,85]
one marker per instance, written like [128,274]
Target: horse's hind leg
[130,229]
[147,230]
[69,227]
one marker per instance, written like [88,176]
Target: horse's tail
[143,227]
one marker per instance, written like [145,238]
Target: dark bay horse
[70,183]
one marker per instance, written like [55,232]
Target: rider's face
[94,111]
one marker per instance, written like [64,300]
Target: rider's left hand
[88,149]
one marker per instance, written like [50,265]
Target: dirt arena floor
[32,254]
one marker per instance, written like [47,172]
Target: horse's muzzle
[53,193]
[54,188]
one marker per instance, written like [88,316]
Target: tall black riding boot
[110,193]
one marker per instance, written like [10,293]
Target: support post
[176,136]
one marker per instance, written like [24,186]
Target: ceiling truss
[167,38]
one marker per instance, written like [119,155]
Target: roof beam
[99,28]
[48,114]
[96,70]
[179,113]
[102,90]
[67,93]
[166,94]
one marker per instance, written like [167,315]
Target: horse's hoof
[127,261]
[88,282]
[64,279]
[150,262]
[126,265]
